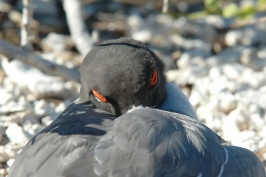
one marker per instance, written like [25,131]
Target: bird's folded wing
[68,140]
[149,142]
[242,163]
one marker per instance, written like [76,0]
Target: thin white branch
[25,25]
[165,6]
[33,59]
[76,26]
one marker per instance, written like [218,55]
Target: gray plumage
[149,142]
[69,139]
[85,141]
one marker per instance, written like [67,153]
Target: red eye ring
[98,95]
[154,78]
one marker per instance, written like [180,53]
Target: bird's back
[70,137]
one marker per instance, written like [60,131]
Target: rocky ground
[221,68]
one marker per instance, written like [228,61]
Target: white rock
[10,162]
[26,125]
[218,21]
[183,78]
[10,152]
[195,98]
[43,108]
[31,118]
[232,71]
[229,128]
[257,121]
[57,42]
[3,172]
[262,142]
[237,116]
[251,59]
[228,102]
[262,53]
[8,85]
[218,86]
[34,129]
[16,134]
[3,155]
[242,86]
[135,21]
[143,35]
[191,58]
[214,120]
[241,138]
[263,89]
[253,78]
[6,120]
[40,107]
[232,86]
[253,96]
[228,55]
[184,61]
[47,120]
[11,107]
[31,129]
[215,73]
[233,37]
[258,80]
[197,73]
[202,31]
[62,106]
[202,86]
[247,36]
[138,29]
[211,106]
[254,109]
[171,75]
[5,96]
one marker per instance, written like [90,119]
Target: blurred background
[214,50]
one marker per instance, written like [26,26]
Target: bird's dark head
[119,74]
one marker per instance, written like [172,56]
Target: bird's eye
[99,96]
[154,78]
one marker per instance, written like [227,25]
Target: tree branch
[25,26]
[11,51]
[76,26]
[38,83]
[165,6]
[241,24]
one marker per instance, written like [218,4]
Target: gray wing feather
[242,163]
[63,146]
[158,143]
[48,158]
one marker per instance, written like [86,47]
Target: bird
[116,76]
[156,143]
[127,63]
[144,142]
[124,124]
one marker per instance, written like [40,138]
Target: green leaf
[230,10]
[212,6]
[261,6]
